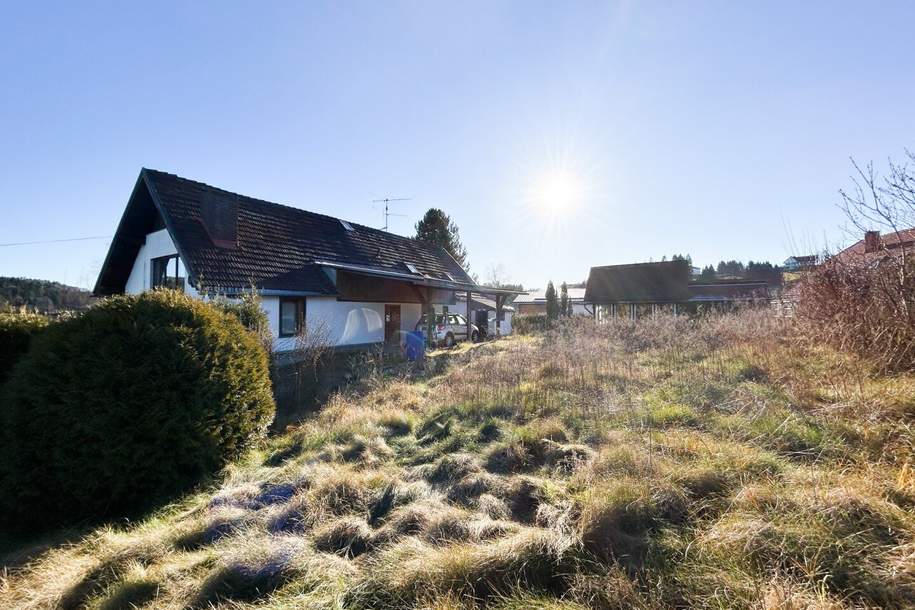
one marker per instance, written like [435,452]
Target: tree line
[762,271]
[41,295]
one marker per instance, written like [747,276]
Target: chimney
[871,241]
[219,217]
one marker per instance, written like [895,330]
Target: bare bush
[866,310]
[864,303]
[313,346]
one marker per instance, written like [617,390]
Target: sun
[557,191]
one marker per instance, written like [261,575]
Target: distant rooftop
[577,295]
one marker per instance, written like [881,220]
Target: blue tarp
[415,347]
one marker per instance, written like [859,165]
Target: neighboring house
[483,313]
[800,263]
[352,284]
[875,246]
[640,289]
[534,302]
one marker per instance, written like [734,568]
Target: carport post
[498,315]
[468,316]
[430,319]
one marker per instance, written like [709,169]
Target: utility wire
[53,241]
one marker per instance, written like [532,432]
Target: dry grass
[659,464]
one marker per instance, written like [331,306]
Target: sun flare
[558,191]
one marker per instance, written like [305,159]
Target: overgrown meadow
[664,463]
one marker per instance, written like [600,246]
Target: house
[639,289]
[354,285]
[534,302]
[875,247]
[800,263]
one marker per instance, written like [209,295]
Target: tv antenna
[386,201]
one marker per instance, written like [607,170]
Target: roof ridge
[287,206]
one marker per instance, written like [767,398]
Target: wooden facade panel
[353,287]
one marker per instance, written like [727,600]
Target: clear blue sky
[718,129]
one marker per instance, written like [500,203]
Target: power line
[53,241]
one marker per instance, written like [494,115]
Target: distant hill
[41,295]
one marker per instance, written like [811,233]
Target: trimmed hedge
[126,405]
[16,332]
[250,312]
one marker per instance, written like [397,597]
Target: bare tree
[313,346]
[867,305]
[885,203]
[496,275]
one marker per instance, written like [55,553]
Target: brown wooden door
[392,324]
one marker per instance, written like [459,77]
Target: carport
[360,283]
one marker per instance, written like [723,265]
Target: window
[346,225]
[411,268]
[292,317]
[166,273]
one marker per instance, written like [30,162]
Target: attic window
[412,268]
[346,225]
[450,277]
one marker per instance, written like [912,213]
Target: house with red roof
[876,246]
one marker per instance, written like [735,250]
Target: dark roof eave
[416,280]
[273,292]
[640,302]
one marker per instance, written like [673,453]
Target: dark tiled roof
[664,282]
[272,246]
[806,260]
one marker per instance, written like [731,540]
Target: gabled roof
[230,242]
[664,282]
[808,259]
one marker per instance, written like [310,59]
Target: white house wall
[340,323]
[410,313]
[579,309]
[158,243]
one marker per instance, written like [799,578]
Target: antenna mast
[387,213]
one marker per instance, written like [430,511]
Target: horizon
[556,137]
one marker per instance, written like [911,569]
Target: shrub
[250,312]
[863,309]
[16,332]
[530,323]
[126,405]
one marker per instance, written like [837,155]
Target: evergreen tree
[437,227]
[680,257]
[552,303]
[730,268]
[708,273]
[564,300]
